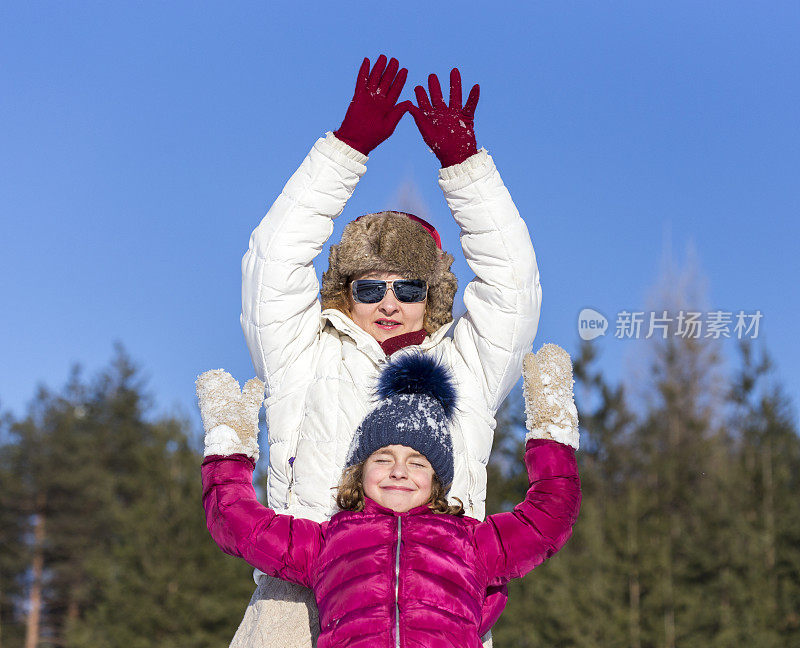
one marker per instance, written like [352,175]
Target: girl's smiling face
[389,317]
[398,477]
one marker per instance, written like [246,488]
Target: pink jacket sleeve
[513,543]
[278,545]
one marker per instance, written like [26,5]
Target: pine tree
[603,602]
[578,597]
[768,459]
[689,532]
[110,524]
[14,555]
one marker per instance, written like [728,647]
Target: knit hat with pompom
[416,408]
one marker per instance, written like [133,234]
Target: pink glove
[448,130]
[372,115]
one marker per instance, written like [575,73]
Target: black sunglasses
[371,291]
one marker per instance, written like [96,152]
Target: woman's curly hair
[350,493]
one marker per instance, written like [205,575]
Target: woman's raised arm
[280,310]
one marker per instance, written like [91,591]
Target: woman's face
[389,317]
[398,477]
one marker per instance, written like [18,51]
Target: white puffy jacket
[320,368]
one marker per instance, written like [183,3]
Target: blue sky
[142,142]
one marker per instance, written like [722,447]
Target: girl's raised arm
[512,544]
[278,545]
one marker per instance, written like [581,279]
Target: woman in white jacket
[319,360]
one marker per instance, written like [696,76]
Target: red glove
[448,130]
[372,115]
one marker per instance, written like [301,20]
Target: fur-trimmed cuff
[566,435]
[223,440]
[345,149]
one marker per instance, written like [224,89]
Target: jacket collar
[365,342]
[371,506]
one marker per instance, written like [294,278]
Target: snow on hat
[416,408]
[395,242]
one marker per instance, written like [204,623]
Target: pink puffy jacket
[386,579]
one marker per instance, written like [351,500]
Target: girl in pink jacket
[399,565]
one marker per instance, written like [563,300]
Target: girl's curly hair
[350,493]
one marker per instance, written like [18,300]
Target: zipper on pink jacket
[397,583]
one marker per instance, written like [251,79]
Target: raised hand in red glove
[448,130]
[372,115]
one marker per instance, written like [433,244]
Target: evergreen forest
[689,531]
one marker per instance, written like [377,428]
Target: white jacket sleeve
[504,299]
[280,309]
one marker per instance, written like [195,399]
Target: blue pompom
[416,373]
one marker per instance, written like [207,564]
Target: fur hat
[393,242]
[418,402]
